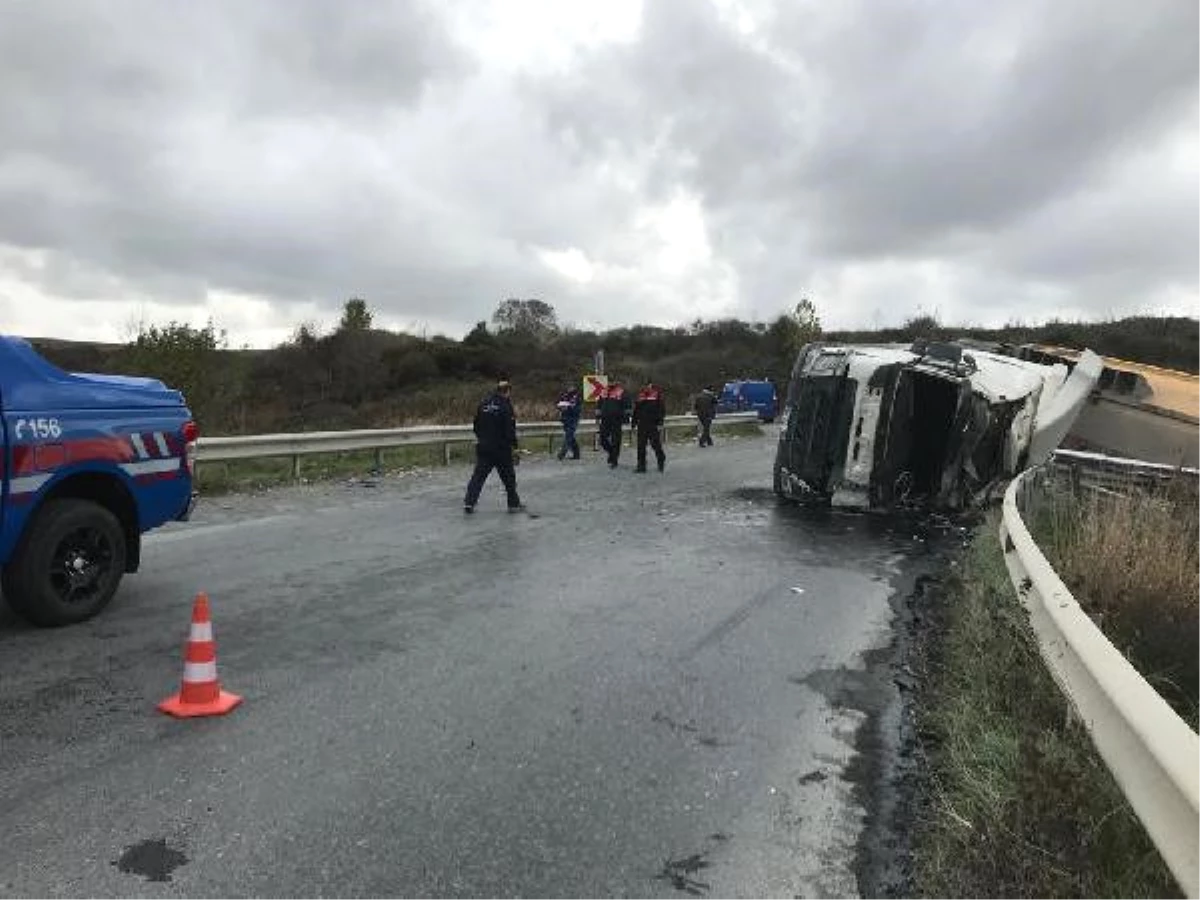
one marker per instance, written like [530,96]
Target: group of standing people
[495,429]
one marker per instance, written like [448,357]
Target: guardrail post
[446,452]
[295,467]
[378,459]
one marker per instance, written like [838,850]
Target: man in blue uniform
[649,410]
[496,444]
[570,406]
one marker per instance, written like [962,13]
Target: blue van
[743,396]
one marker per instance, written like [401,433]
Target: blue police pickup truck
[90,463]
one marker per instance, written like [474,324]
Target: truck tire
[68,564]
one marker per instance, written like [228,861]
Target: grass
[1131,559]
[1019,803]
[216,478]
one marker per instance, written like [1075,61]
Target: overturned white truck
[932,425]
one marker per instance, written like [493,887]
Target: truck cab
[880,427]
[90,463]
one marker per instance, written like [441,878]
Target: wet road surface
[643,691]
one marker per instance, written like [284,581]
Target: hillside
[358,376]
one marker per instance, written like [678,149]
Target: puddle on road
[152,859]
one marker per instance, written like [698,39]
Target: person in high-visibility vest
[649,410]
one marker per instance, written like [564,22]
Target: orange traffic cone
[201,693]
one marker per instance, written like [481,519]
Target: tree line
[356,375]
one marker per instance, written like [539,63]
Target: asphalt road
[654,688]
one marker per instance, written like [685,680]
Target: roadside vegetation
[1018,802]
[1132,559]
[354,374]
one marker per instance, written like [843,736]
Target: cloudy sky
[629,162]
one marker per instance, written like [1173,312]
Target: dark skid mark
[664,719]
[152,859]
[704,740]
[733,620]
[679,872]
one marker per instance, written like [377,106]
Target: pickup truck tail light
[190,434]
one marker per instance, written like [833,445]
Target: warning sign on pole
[593,387]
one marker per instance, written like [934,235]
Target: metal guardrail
[1150,750]
[264,446]
[1135,468]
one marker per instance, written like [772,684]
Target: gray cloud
[914,130]
[991,160]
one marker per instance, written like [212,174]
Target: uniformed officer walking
[648,412]
[496,444]
[611,411]
[570,406]
[705,407]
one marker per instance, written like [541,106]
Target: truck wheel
[68,564]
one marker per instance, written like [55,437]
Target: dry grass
[1020,803]
[1132,559]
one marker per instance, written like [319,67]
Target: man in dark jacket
[705,407]
[611,411]
[570,406]
[496,442]
[649,410]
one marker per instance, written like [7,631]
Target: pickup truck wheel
[69,564]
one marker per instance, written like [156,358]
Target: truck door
[817,431]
